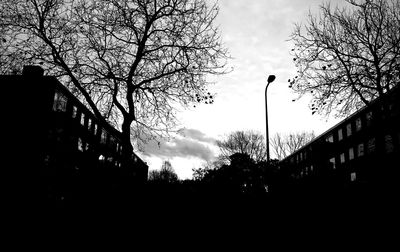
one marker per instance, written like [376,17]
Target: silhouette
[358,155]
[245,142]
[61,154]
[347,56]
[129,73]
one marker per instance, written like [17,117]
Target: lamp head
[271,78]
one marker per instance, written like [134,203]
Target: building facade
[58,150]
[361,152]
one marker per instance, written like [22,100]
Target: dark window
[60,102]
[342,158]
[398,138]
[333,162]
[103,138]
[360,150]
[112,142]
[368,118]
[83,119]
[351,154]
[89,124]
[358,124]
[81,145]
[371,145]
[74,111]
[348,129]
[329,138]
[353,176]
[389,146]
[340,134]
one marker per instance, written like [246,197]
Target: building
[56,149]
[361,153]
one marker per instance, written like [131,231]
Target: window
[60,102]
[353,176]
[120,149]
[371,145]
[112,141]
[348,129]
[83,119]
[333,163]
[103,138]
[389,147]
[398,138]
[311,168]
[74,111]
[340,134]
[89,124]
[360,150]
[358,124]
[329,138]
[81,145]
[342,158]
[351,154]
[368,118]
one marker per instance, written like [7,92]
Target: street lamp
[270,79]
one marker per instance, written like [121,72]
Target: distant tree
[244,142]
[347,56]
[200,173]
[166,174]
[132,62]
[242,176]
[284,145]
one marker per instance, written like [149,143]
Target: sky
[256,33]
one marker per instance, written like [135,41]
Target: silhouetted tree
[347,56]
[284,145]
[242,176]
[244,142]
[132,62]
[166,174]
[200,173]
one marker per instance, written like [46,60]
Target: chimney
[33,71]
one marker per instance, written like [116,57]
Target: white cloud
[189,143]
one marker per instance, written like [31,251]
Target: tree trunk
[127,147]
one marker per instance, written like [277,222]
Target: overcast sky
[256,34]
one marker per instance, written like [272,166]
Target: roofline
[354,114]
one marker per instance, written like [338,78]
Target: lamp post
[270,79]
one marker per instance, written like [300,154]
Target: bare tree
[347,56]
[244,142]
[132,62]
[165,174]
[284,145]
